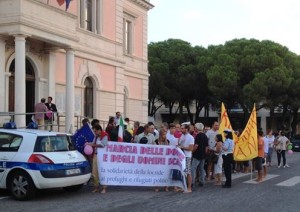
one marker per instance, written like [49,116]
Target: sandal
[95,190]
[178,190]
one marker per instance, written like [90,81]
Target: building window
[128,33]
[88,98]
[90,15]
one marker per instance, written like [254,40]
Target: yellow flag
[246,148]
[225,123]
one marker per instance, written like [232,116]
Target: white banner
[126,164]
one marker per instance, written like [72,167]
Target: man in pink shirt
[40,109]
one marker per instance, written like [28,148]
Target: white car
[35,159]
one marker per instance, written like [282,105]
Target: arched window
[88,98]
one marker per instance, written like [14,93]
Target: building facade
[90,57]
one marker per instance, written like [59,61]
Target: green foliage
[240,72]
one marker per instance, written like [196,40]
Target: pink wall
[138,51]
[60,69]
[78,62]
[107,73]
[108,76]
[109,19]
[135,87]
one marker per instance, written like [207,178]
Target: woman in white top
[269,138]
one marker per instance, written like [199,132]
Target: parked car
[35,159]
[296,142]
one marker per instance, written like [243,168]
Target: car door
[9,145]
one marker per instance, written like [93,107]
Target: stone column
[2,75]
[70,91]
[51,73]
[20,80]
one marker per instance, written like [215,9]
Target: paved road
[279,192]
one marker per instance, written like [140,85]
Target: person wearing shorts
[186,143]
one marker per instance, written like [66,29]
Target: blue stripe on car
[43,167]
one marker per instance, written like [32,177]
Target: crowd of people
[208,152]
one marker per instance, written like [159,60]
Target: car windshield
[56,143]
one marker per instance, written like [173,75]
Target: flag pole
[251,171]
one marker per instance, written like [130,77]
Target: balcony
[38,20]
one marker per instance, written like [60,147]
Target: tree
[172,55]
[240,72]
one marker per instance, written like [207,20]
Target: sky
[213,22]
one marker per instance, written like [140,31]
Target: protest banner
[127,164]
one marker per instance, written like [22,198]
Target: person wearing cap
[227,149]
[199,151]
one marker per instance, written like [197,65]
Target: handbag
[214,158]
[176,175]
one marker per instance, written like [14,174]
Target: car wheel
[73,188]
[21,186]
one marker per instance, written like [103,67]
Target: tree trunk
[295,121]
[189,112]
[272,118]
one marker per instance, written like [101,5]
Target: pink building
[92,58]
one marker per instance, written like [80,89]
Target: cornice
[143,3]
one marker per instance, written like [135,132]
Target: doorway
[30,89]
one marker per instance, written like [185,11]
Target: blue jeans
[198,163]
[269,156]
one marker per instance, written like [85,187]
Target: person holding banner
[100,141]
[145,137]
[170,135]
[227,148]
[186,143]
[162,140]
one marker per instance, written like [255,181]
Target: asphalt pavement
[280,191]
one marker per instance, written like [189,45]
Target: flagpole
[251,171]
